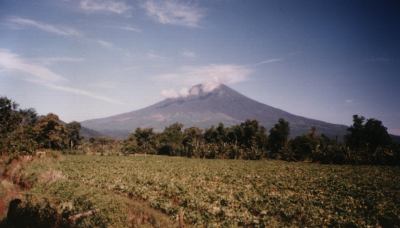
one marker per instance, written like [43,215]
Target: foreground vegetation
[216,192]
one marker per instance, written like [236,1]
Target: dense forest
[22,131]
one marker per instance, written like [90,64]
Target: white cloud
[41,75]
[53,60]
[105,84]
[349,101]
[188,54]
[267,61]
[110,6]
[58,30]
[169,93]
[77,91]
[174,12]
[105,44]
[154,56]
[128,28]
[12,62]
[211,76]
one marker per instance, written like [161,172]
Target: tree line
[22,131]
[367,141]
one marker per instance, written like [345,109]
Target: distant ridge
[89,133]
[204,107]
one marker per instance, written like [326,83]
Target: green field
[124,189]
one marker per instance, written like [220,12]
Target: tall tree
[192,141]
[9,116]
[355,139]
[16,135]
[376,135]
[278,136]
[252,133]
[171,139]
[130,144]
[73,135]
[367,135]
[50,132]
[367,140]
[145,139]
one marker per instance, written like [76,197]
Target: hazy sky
[85,59]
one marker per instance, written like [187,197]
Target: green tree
[50,132]
[193,141]
[278,137]
[253,133]
[73,135]
[130,145]
[367,139]
[355,139]
[234,137]
[9,120]
[146,139]
[9,116]
[16,135]
[23,138]
[252,136]
[171,140]
[303,147]
[211,135]
[376,135]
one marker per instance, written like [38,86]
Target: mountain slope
[203,108]
[89,133]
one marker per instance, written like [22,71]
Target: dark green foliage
[23,132]
[215,134]
[303,147]
[367,135]
[356,137]
[278,137]
[9,116]
[376,135]
[171,140]
[74,138]
[369,141]
[146,140]
[130,145]
[249,140]
[192,141]
[16,128]
[51,132]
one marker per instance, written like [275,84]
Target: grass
[157,189]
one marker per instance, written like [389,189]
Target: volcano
[203,107]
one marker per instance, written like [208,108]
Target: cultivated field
[160,191]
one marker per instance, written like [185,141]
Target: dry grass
[50,176]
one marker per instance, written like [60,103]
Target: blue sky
[86,59]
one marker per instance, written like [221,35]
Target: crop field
[225,192]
